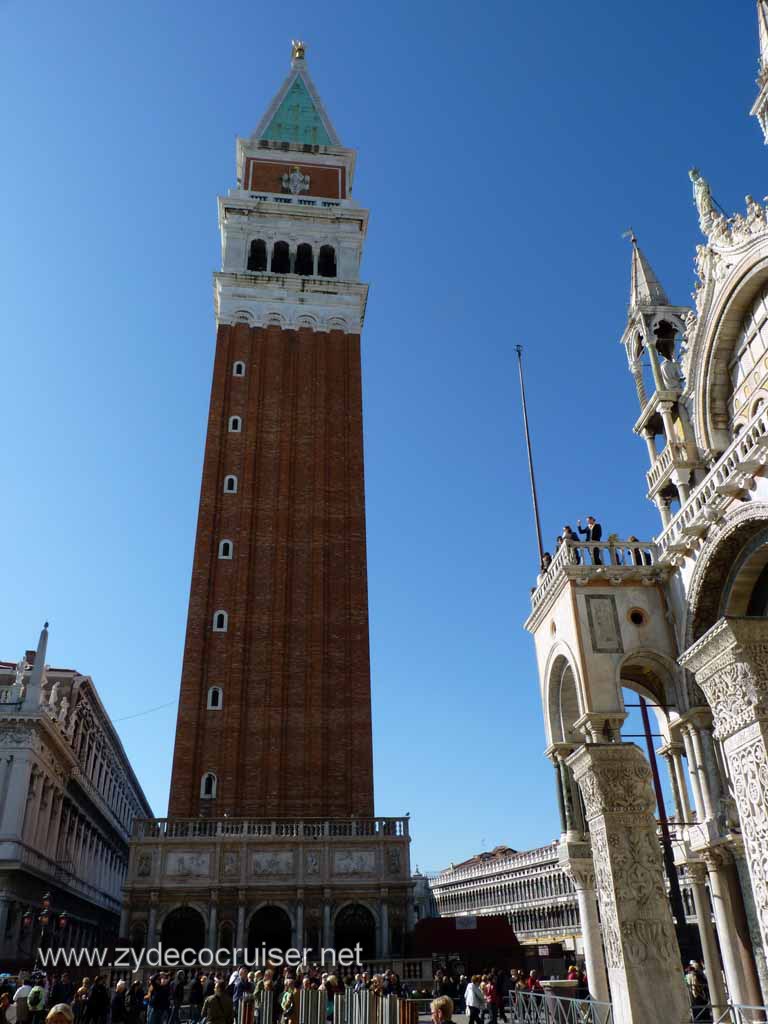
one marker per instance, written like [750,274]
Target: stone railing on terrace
[269,828]
[743,459]
[582,559]
[282,197]
[12,694]
[675,455]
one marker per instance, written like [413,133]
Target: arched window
[238,369]
[281,260]
[220,620]
[230,484]
[326,264]
[235,424]
[208,785]
[257,255]
[304,265]
[225,548]
[215,698]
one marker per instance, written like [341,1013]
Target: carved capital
[614,778]
[697,872]
[730,663]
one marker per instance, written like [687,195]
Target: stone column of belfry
[641,950]
[730,663]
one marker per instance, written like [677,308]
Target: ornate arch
[723,324]
[561,671]
[369,906]
[719,554]
[286,907]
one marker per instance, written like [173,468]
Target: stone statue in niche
[313,863]
[145,866]
[670,375]
[295,182]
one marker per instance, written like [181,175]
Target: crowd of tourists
[186,996]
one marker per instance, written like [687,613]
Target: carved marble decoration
[277,862]
[11,736]
[312,863]
[188,865]
[603,620]
[295,182]
[731,666]
[670,375]
[393,860]
[354,862]
[702,197]
[641,948]
[144,867]
[231,864]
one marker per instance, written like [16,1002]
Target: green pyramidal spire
[297,114]
[297,119]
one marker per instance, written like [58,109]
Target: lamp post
[51,925]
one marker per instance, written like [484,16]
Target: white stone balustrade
[578,559]
[745,458]
[268,828]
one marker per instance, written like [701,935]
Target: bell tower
[275,710]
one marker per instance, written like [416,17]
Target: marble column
[299,943]
[240,931]
[713,965]
[730,663]
[641,950]
[152,923]
[576,861]
[384,918]
[732,929]
[213,942]
[327,934]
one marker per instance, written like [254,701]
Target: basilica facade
[681,621]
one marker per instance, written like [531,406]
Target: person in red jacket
[533,984]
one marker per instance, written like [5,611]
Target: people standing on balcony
[568,534]
[593,531]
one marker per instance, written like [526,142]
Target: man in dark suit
[593,531]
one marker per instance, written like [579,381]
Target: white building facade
[68,797]
[531,889]
[682,621]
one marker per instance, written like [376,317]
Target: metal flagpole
[534,496]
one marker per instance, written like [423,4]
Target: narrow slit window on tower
[238,369]
[326,264]
[220,622]
[230,484]
[281,259]
[304,265]
[225,549]
[208,786]
[215,698]
[235,424]
[257,255]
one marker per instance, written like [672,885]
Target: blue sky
[503,150]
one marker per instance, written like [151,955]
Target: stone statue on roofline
[702,196]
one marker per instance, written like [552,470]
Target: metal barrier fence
[734,1013]
[311,1006]
[548,1008]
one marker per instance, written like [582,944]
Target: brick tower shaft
[275,709]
